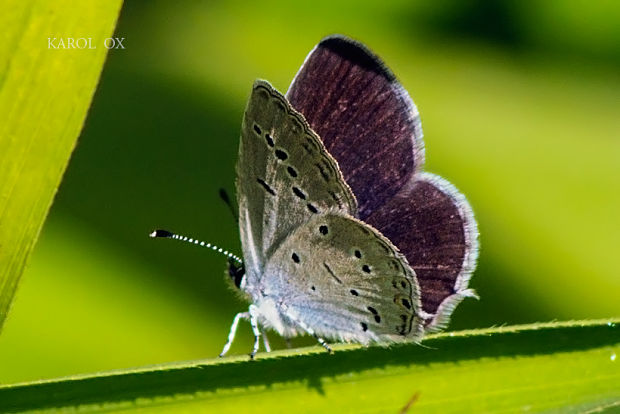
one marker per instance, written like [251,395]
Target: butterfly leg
[233,331]
[266,342]
[307,329]
[254,322]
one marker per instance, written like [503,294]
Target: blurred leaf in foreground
[45,92]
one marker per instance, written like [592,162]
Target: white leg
[233,331]
[254,323]
[306,328]
[266,342]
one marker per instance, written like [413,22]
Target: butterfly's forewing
[432,222]
[284,176]
[365,118]
[345,280]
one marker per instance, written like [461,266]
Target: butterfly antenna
[226,199]
[169,235]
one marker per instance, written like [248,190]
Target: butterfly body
[343,236]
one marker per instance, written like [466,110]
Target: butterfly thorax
[269,307]
[270,315]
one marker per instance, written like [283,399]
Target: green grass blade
[567,367]
[44,96]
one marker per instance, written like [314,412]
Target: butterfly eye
[236,273]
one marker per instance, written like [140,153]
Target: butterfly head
[236,272]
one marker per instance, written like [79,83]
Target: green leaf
[45,92]
[567,367]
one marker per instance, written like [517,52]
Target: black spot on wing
[281,154]
[266,186]
[291,171]
[295,257]
[299,193]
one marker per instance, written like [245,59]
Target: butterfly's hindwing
[433,225]
[343,278]
[284,176]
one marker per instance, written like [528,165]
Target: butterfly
[344,237]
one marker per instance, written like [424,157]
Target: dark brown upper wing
[365,118]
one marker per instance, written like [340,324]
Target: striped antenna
[169,235]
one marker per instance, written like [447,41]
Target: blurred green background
[520,105]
